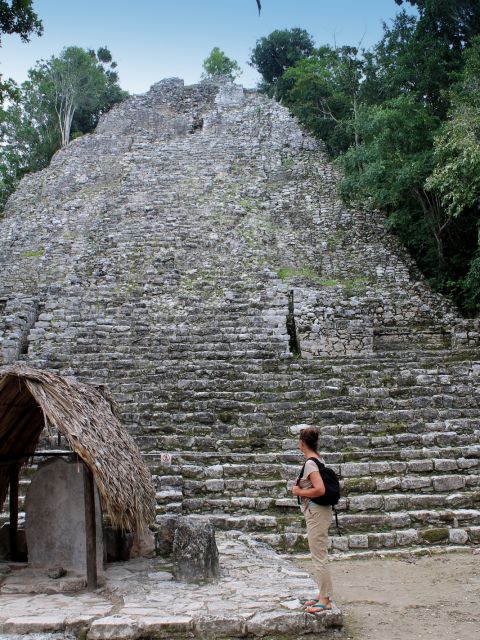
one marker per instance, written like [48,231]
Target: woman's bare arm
[316,491]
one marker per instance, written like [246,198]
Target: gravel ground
[413,598]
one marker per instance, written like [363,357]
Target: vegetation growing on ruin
[402,121]
[218,65]
[62,99]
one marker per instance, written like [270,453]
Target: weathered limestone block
[448,483]
[407,537]
[358,542]
[457,536]
[230,95]
[165,533]
[19,315]
[366,503]
[420,466]
[195,553]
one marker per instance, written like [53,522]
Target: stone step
[225,388]
[248,370]
[443,474]
[434,529]
[230,382]
[402,540]
[255,434]
[231,463]
[257,486]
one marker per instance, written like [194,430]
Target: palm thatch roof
[85,415]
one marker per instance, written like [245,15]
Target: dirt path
[434,597]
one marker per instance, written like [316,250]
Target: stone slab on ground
[257,595]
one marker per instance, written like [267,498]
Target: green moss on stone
[300,545]
[225,416]
[434,535]
[359,485]
[34,253]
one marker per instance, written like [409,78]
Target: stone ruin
[193,255]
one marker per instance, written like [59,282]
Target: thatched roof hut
[85,415]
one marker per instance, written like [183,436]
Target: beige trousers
[318,520]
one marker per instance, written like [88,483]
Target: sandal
[318,608]
[308,602]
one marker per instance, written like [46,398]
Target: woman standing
[317,517]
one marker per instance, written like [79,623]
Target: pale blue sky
[155,39]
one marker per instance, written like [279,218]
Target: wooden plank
[14,472]
[90,528]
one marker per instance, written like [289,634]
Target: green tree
[388,169]
[29,139]
[78,84]
[63,98]
[324,92]
[456,21]
[456,176]
[274,54]
[17,17]
[410,60]
[217,64]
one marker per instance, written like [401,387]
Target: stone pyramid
[193,255]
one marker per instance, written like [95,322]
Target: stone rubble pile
[162,255]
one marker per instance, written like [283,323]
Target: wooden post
[90,528]
[13,472]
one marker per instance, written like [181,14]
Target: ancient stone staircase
[408,466]
[163,255]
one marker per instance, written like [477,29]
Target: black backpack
[330,480]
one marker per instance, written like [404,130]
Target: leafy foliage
[456,176]
[78,86]
[217,64]
[323,92]
[274,54]
[403,120]
[395,154]
[63,98]
[456,21]
[18,17]
[409,61]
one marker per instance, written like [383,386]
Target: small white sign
[166,458]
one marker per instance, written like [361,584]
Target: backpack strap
[336,521]
[301,473]
[319,464]
[299,478]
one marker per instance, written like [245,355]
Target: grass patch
[287,273]
[34,253]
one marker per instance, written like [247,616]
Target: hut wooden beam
[90,528]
